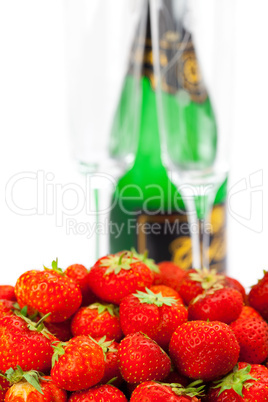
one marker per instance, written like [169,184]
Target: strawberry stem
[55,267]
[121,258]
[40,324]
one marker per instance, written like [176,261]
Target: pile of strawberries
[131,330]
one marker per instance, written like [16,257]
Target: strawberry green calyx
[58,351]
[235,380]
[147,261]
[115,263]
[196,388]
[102,307]
[211,291]
[154,298]
[36,326]
[16,307]
[105,345]
[32,377]
[55,268]
[259,280]
[206,277]
[24,311]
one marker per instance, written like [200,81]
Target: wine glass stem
[194,228]
[199,220]
[97,219]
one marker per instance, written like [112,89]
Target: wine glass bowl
[99,47]
[194,89]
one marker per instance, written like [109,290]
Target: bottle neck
[149,147]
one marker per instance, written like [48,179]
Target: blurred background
[34,139]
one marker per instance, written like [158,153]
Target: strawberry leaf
[147,261]
[24,311]
[191,390]
[206,277]
[58,351]
[235,380]
[16,306]
[36,326]
[115,263]
[14,376]
[152,298]
[210,291]
[105,345]
[33,379]
[102,307]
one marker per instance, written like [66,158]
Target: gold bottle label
[167,237]
[180,67]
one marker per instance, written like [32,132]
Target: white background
[33,128]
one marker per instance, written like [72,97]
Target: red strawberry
[234,284]
[258,296]
[6,307]
[7,292]
[101,393]
[144,258]
[169,275]
[32,387]
[141,359]
[116,276]
[257,371]
[252,336]
[153,314]
[170,316]
[217,304]
[61,330]
[24,343]
[151,391]
[97,320]
[204,350]
[111,369]
[244,383]
[175,378]
[79,273]
[136,316]
[4,386]
[196,281]
[49,291]
[77,364]
[249,312]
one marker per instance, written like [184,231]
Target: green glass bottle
[147,210]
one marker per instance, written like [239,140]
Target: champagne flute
[193,63]
[101,38]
